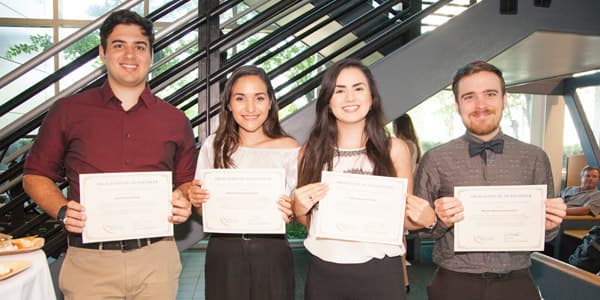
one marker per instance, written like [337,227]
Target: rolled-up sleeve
[185,157]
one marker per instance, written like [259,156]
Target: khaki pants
[151,272]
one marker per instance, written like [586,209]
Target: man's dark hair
[472,68]
[126,17]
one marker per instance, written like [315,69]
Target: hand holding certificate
[501,218]
[127,205]
[362,208]
[243,200]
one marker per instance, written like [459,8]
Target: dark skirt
[377,279]
[255,267]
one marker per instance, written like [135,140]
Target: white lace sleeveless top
[348,252]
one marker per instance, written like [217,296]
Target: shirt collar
[147,98]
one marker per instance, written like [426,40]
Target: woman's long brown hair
[320,149]
[227,137]
[404,129]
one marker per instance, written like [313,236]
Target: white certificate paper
[362,208]
[501,218]
[243,200]
[126,205]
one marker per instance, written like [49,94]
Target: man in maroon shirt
[119,127]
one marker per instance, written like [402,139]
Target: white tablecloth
[31,284]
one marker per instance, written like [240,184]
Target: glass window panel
[78,48]
[176,14]
[571,142]
[189,77]
[516,119]
[590,100]
[77,75]
[17,46]
[85,10]
[27,9]
[189,41]
[29,104]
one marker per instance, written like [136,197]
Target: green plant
[295,231]
[39,43]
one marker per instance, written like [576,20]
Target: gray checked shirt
[450,165]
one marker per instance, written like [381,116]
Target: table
[31,284]
[576,233]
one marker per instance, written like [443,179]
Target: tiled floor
[191,282]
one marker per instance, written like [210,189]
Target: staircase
[197,46]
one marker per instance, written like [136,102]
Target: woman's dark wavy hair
[321,147]
[227,137]
[126,17]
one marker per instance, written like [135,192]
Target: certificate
[243,200]
[126,205]
[362,208]
[501,218]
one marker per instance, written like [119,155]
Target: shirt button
[128,135]
[127,161]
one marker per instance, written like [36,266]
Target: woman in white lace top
[349,136]
[248,266]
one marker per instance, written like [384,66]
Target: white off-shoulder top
[254,158]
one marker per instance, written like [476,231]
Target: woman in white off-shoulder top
[349,136]
[248,266]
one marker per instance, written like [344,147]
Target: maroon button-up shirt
[91,133]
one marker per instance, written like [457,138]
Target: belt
[490,275]
[124,245]
[247,236]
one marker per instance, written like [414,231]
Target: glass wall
[590,100]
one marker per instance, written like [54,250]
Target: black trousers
[450,285]
[377,279]
[253,267]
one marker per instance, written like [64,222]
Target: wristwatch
[62,214]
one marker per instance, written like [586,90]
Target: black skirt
[251,267]
[376,279]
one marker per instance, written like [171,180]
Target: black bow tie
[495,145]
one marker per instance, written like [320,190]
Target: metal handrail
[60,73]
[199,84]
[196,86]
[251,8]
[371,47]
[7,135]
[98,73]
[332,55]
[40,58]
[354,24]
[348,6]
[271,40]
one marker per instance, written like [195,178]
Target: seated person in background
[584,199]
